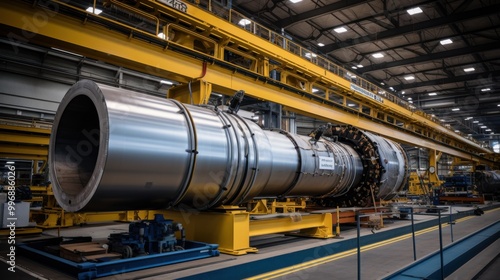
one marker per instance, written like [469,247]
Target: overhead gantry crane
[211,48]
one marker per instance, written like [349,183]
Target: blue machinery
[148,237]
[148,244]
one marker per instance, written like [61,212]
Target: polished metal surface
[113,149]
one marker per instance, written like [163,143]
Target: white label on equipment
[326,163]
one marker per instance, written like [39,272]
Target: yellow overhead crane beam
[181,58]
[24,142]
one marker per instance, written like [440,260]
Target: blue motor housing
[148,237]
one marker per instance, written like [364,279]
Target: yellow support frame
[232,228]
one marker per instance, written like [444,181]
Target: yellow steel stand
[232,228]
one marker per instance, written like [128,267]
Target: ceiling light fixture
[403,92]
[165,82]
[455,109]
[487,129]
[484,126]
[470,69]
[161,35]
[486,89]
[446,42]
[378,55]
[457,130]
[354,67]
[10,162]
[414,11]
[321,44]
[409,78]
[244,22]
[340,29]
[94,11]
[432,94]
[475,122]
[315,90]
[359,66]
[295,1]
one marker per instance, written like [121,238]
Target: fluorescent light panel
[409,78]
[295,1]
[10,162]
[470,69]
[91,10]
[378,55]
[486,89]
[455,109]
[340,29]
[446,42]
[432,94]
[414,11]
[321,44]
[244,22]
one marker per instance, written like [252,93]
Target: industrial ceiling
[442,56]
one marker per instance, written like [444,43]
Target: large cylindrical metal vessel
[113,149]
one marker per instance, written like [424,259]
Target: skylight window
[470,69]
[378,55]
[414,11]
[446,42]
[409,78]
[432,94]
[94,11]
[340,29]
[244,22]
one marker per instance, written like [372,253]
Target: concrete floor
[375,262]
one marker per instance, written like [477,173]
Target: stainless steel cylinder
[113,149]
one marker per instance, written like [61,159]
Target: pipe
[112,149]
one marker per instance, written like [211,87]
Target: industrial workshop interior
[268,139]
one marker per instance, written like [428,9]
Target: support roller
[112,149]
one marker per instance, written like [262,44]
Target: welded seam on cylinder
[193,152]
[253,170]
[240,170]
